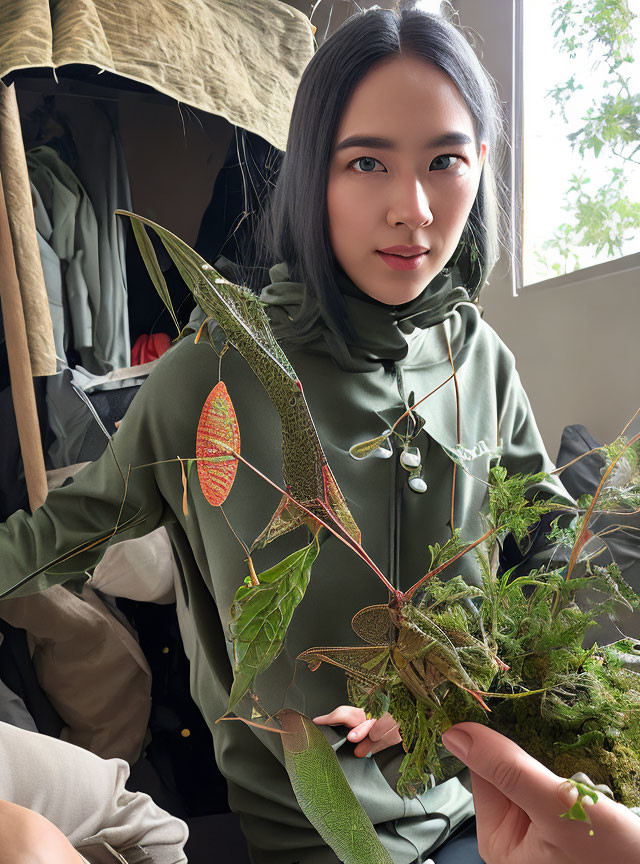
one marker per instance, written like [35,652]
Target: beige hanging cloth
[27,324]
[240,59]
[17,193]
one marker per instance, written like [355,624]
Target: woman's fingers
[343,715]
[503,764]
[371,735]
[383,727]
[382,733]
[500,824]
[518,805]
[361,731]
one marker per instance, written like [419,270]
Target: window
[497,29]
[580,134]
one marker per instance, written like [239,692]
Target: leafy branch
[605,217]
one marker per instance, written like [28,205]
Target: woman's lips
[399,262]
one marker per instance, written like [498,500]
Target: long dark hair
[295,225]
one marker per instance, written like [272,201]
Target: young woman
[385,224]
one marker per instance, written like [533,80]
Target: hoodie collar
[382,333]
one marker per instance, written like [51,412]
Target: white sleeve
[85,797]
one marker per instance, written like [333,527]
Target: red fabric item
[149,347]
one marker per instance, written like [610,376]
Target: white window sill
[586,274]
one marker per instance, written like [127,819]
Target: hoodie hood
[382,333]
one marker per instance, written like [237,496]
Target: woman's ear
[482,155]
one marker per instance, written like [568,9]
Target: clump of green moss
[509,652]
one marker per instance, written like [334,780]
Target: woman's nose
[410,206]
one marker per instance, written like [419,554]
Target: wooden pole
[22,391]
[24,237]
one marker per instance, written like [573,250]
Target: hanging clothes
[149,346]
[73,236]
[52,270]
[101,169]
[75,221]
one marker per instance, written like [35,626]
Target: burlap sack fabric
[241,60]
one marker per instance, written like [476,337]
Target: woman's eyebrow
[444,140]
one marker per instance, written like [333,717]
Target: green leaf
[153,267]
[261,614]
[235,309]
[324,795]
[510,508]
[439,554]
[576,811]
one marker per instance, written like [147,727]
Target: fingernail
[457,742]
[352,735]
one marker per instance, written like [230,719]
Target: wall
[173,155]
[576,348]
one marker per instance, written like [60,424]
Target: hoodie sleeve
[85,798]
[132,489]
[524,452]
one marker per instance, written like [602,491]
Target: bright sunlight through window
[581,145]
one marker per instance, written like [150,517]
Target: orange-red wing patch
[217,440]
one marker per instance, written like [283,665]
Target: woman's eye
[445,163]
[367,164]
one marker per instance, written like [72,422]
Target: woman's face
[404,187]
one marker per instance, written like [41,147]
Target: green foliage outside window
[604,217]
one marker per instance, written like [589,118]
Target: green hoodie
[354,392]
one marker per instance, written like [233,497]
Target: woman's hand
[518,805]
[28,838]
[371,736]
